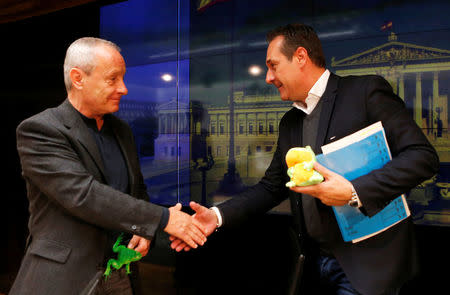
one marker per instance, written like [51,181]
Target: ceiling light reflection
[167,77]
[255,70]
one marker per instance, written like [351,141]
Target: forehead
[109,58]
[274,50]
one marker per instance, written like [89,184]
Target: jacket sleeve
[260,198]
[54,170]
[413,158]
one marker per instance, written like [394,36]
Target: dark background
[251,259]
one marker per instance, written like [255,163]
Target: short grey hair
[81,54]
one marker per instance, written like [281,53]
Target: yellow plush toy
[300,163]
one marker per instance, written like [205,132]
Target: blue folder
[352,161]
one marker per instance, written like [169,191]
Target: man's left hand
[139,244]
[335,190]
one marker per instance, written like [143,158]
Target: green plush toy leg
[128,267]
[113,263]
[107,272]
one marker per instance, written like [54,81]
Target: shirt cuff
[164,219]
[219,216]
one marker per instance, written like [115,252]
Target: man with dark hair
[327,107]
[295,34]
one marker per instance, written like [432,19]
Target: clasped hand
[335,190]
[186,230]
[204,218]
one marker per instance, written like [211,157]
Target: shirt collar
[92,123]
[314,94]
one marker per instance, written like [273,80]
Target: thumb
[177,207]
[322,170]
[197,207]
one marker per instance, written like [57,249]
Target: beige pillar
[435,98]
[418,101]
[401,87]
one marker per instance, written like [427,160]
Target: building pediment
[172,105]
[393,52]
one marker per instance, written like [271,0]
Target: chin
[284,97]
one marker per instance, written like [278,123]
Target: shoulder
[43,118]
[363,81]
[47,120]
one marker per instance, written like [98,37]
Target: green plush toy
[124,257]
[300,162]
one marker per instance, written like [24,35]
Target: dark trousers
[330,279]
[118,283]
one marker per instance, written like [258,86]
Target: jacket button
[133,227]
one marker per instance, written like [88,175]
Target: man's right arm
[51,165]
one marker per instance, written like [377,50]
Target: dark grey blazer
[350,104]
[70,206]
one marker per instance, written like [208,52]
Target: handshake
[187,231]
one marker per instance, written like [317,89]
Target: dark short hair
[299,35]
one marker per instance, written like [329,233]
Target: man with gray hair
[84,183]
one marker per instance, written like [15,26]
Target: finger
[183,246]
[133,242]
[176,243]
[322,170]
[172,238]
[200,226]
[304,189]
[197,235]
[188,240]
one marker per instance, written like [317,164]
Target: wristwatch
[354,201]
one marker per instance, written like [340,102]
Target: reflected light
[255,70]
[167,77]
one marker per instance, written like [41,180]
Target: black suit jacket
[71,207]
[350,104]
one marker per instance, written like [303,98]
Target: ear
[76,76]
[301,55]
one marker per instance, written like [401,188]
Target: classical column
[401,87]
[173,124]
[418,101]
[435,104]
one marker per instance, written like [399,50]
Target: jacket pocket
[51,250]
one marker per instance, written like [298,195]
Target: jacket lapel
[328,97]
[72,120]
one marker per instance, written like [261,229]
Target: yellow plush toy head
[300,162]
[299,155]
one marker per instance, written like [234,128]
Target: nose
[122,89]
[269,77]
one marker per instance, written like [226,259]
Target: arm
[54,169]
[413,158]
[269,192]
